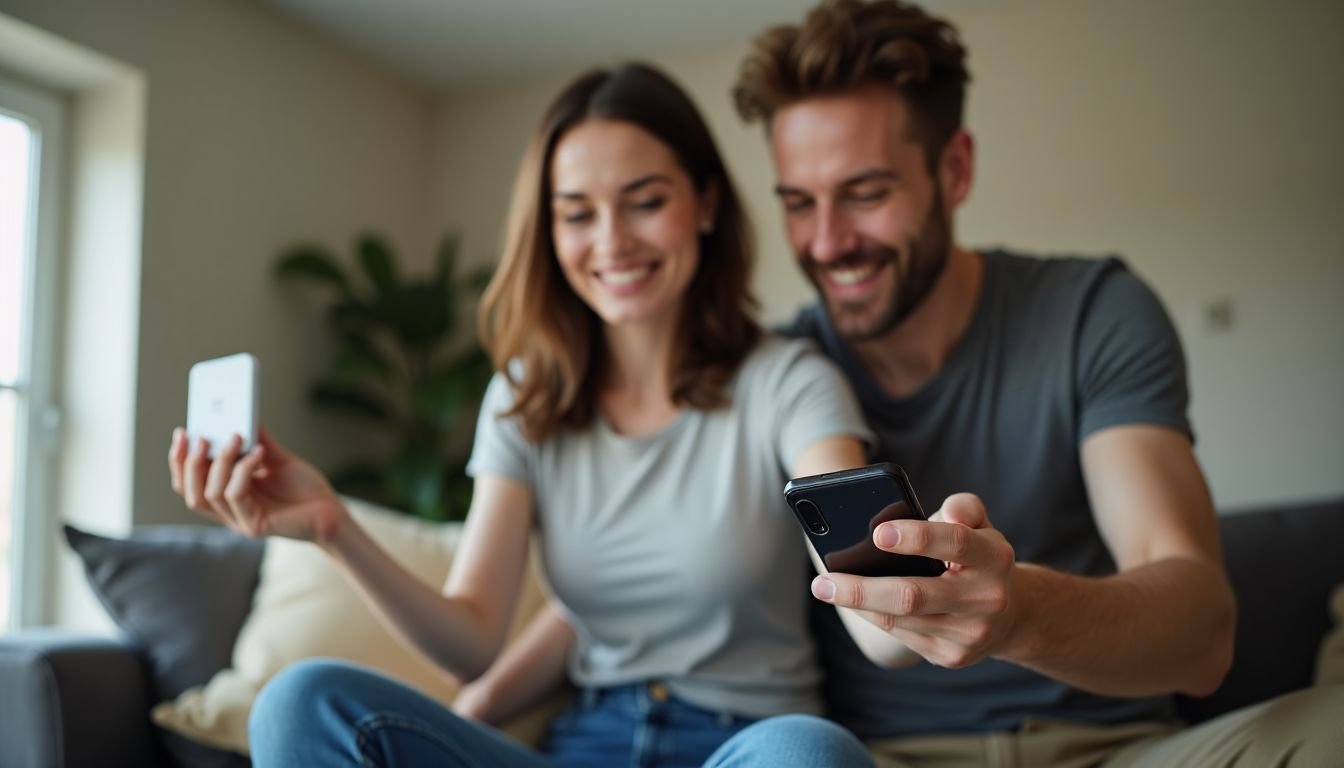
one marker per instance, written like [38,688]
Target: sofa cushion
[180,593]
[1282,568]
[305,607]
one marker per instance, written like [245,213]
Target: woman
[640,423]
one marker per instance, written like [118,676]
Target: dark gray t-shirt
[1057,349]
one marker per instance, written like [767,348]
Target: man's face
[864,215]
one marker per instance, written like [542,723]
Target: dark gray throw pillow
[181,593]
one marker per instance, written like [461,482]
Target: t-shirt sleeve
[1131,369]
[813,402]
[499,447]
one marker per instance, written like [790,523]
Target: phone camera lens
[812,518]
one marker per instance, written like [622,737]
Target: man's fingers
[950,542]
[964,509]
[892,595]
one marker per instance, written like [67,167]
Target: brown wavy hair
[844,44]
[543,337]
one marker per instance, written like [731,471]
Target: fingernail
[887,536]
[823,588]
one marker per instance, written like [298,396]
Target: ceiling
[461,44]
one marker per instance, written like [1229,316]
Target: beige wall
[1198,138]
[258,133]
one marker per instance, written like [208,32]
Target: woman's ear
[708,208]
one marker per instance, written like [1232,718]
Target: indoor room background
[1198,139]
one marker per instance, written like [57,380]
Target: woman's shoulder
[776,360]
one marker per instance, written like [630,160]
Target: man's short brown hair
[844,44]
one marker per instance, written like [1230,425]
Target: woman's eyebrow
[626,188]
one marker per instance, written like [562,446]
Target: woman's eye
[576,217]
[651,204]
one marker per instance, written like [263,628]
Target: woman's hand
[266,492]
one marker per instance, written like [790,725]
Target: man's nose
[832,236]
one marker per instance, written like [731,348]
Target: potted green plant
[402,365]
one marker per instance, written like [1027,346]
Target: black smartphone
[840,510]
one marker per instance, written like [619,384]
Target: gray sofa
[73,701]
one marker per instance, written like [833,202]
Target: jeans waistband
[649,696]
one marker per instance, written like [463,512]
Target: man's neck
[908,356]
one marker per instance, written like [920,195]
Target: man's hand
[953,620]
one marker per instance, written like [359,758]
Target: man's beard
[926,254]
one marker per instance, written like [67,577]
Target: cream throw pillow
[305,607]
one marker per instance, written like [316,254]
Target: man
[1044,399]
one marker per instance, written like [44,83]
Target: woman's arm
[463,627]
[832,455]
[271,492]
[531,668]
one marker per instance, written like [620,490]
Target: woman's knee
[306,698]
[792,740]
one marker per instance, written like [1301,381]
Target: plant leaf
[359,358]
[350,399]
[363,479]
[417,478]
[376,258]
[314,263]
[447,260]
[449,389]
[477,279]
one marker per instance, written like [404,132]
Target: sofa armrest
[71,700]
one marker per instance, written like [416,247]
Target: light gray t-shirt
[674,554]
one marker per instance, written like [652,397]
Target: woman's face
[626,221]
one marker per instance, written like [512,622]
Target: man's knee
[1303,725]
[791,740]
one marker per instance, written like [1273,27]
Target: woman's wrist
[335,530]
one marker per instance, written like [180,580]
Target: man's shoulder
[1053,272]
[809,322]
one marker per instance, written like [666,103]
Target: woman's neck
[635,395]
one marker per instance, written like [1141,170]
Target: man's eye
[868,194]
[797,204]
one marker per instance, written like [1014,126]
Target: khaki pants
[1304,728]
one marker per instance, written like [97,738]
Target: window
[30,140]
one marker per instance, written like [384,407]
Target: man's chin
[861,323]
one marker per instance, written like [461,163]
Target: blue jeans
[329,713]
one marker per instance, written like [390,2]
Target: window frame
[38,418]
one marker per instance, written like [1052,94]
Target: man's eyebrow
[872,174]
[626,188]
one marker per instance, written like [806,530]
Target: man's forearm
[1157,628]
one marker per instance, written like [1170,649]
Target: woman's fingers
[221,469]
[194,468]
[238,492]
[177,455]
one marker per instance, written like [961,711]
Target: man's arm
[1164,622]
